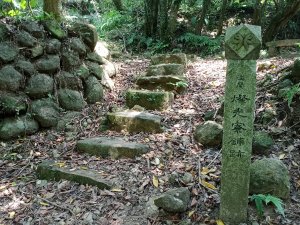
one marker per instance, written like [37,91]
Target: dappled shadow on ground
[26,200]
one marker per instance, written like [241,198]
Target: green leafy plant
[291,92]
[261,198]
[181,84]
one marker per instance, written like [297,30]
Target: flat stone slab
[179,58]
[164,82]
[49,170]
[111,147]
[165,69]
[134,121]
[152,100]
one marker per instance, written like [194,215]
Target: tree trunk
[119,5]
[53,7]
[151,17]
[164,19]
[205,9]
[259,11]
[222,15]
[173,16]
[281,19]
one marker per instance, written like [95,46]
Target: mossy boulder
[39,86]
[32,27]
[95,69]
[94,57]
[87,32]
[78,46]
[165,69]
[25,67]
[111,147]
[53,46]
[71,100]
[8,52]
[25,39]
[151,100]
[93,90]
[262,143]
[12,104]
[16,126]
[4,32]
[295,74]
[82,71]
[70,60]
[55,29]
[269,176]
[49,170]
[134,121]
[179,58]
[209,134]
[164,82]
[48,64]
[10,79]
[69,81]
[46,112]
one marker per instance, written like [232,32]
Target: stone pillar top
[243,42]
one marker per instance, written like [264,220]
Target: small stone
[35,51]
[95,69]
[262,143]
[269,176]
[187,178]
[69,81]
[93,90]
[12,104]
[209,134]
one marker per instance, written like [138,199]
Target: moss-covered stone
[70,60]
[71,100]
[165,69]
[25,39]
[134,121]
[108,147]
[12,104]
[151,100]
[50,170]
[269,176]
[179,58]
[14,127]
[262,143]
[164,82]
[25,67]
[209,134]
[93,90]
[54,28]
[10,79]
[53,46]
[95,69]
[48,64]
[39,86]
[8,52]
[69,81]
[78,46]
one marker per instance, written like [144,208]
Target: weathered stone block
[48,64]
[151,100]
[53,46]
[165,69]
[12,104]
[269,176]
[8,52]
[78,46]
[134,121]
[25,67]
[39,86]
[95,69]
[71,100]
[70,60]
[51,171]
[209,134]
[25,39]
[108,147]
[179,58]
[10,79]
[33,28]
[87,32]
[67,80]
[54,28]
[93,90]
[46,112]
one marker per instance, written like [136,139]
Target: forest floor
[26,200]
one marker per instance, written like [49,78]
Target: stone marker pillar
[242,46]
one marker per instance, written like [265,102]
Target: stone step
[134,121]
[151,100]
[165,69]
[164,82]
[179,58]
[49,170]
[111,147]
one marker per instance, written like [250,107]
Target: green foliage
[260,199]
[291,92]
[182,84]
[201,44]
[15,7]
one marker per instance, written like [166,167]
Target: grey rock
[209,134]
[70,60]
[53,46]
[262,143]
[48,64]
[152,100]
[39,86]
[48,170]
[33,28]
[179,58]
[25,67]
[94,57]
[269,176]
[71,100]
[69,81]
[10,79]
[87,32]
[93,90]
[151,210]
[174,201]
[78,46]
[4,32]
[134,121]
[8,52]
[12,104]
[111,147]
[54,28]
[95,69]
[46,112]
[25,39]
[165,69]
[13,127]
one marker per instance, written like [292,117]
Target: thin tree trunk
[259,11]
[53,7]
[222,15]
[173,16]
[280,20]
[163,19]
[151,17]
[205,8]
